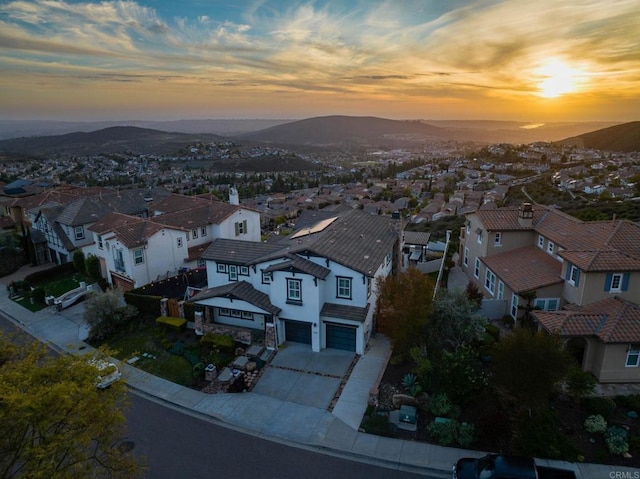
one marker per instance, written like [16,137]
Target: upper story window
[616,282]
[241,227]
[138,256]
[369,282]
[294,290]
[222,268]
[633,356]
[465,258]
[550,246]
[388,259]
[100,242]
[203,231]
[343,287]
[490,281]
[79,232]
[194,233]
[179,242]
[500,290]
[573,274]
[476,268]
[497,239]
[266,277]
[479,232]
[244,270]
[540,241]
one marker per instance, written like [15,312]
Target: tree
[79,261]
[454,321]
[106,313]
[529,366]
[403,307]
[54,422]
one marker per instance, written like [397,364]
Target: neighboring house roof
[342,311]
[416,237]
[196,252]
[296,263]
[129,230]
[239,290]
[601,260]
[525,269]
[612,320]
[199,215]
[240,252]
[505,219]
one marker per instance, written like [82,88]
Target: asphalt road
[176,445]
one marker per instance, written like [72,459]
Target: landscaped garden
[487,387]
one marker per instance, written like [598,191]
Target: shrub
[595,423]
[55,272]
[599,405]
[79,261]
[92,267]
[444,433]
[439,404]
[466,434]
[617,445]
[541,436]
[493,330]
[615,431]
[377,424]
[174,323]
[631,401]
[222,342]
[146,304]
[38,295]
[580,383]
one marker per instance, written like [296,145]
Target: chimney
[525,215]
[234,198]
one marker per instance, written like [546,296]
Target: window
[633,356]
[500,290]
[497,239]
[79,231]
[540,241]
[266,277]
[203,231]
[241,227]
[368,286]
[514,306]
[573,274]
[244,270]
[138,256]
[465,258]
[387,260]
[479,231]
[235,313]
[179,242]
[550,247]
[233,272]
[616,282]
[546,304]
[222,268]
[194,233]
[476,269]
[100,243]
[343,287]
[247,315]
[201,262]
[294,290]
[224,312]
[490,281]
[118,260]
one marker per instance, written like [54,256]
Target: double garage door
[339,336]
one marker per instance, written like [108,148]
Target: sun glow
[558,79]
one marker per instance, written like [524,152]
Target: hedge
[175,323]
[51,273]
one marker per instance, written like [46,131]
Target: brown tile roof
[199,214]
[505,219]
[525,269]
[130,230]
[612,320]
[196,252]
[602,260]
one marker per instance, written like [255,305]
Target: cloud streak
[372,51]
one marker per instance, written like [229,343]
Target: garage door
[297,331]
[340,336]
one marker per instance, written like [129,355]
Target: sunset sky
[536,60]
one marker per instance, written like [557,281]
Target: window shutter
[607,282]
[567,273]
[237,228]
[625,281]
[244,226]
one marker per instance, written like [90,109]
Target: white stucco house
[315,286]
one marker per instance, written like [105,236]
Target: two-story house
[134,251]
[542,259]
[315,286]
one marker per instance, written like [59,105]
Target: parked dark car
[503,466]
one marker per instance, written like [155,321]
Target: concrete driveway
[297,374]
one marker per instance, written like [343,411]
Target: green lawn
[54,287]
[169,366]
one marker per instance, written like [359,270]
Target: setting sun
[558,80]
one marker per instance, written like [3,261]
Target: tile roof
[602,260]
[416,237]
[341,311]
[196,252]
[525,269]
[198,215]
[240,252]
[505,219]
[239,290]
[296,263]
[131,231]
[612,320]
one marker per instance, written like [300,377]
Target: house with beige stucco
[566,272]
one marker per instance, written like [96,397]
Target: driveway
[297,374]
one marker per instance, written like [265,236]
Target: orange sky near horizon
[160,60]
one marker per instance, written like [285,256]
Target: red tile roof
[525,269]
[612,320]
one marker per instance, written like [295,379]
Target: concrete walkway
[282,419]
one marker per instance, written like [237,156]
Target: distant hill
[343,130]
[117,139]
[623,138]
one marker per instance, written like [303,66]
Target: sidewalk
[335,433]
